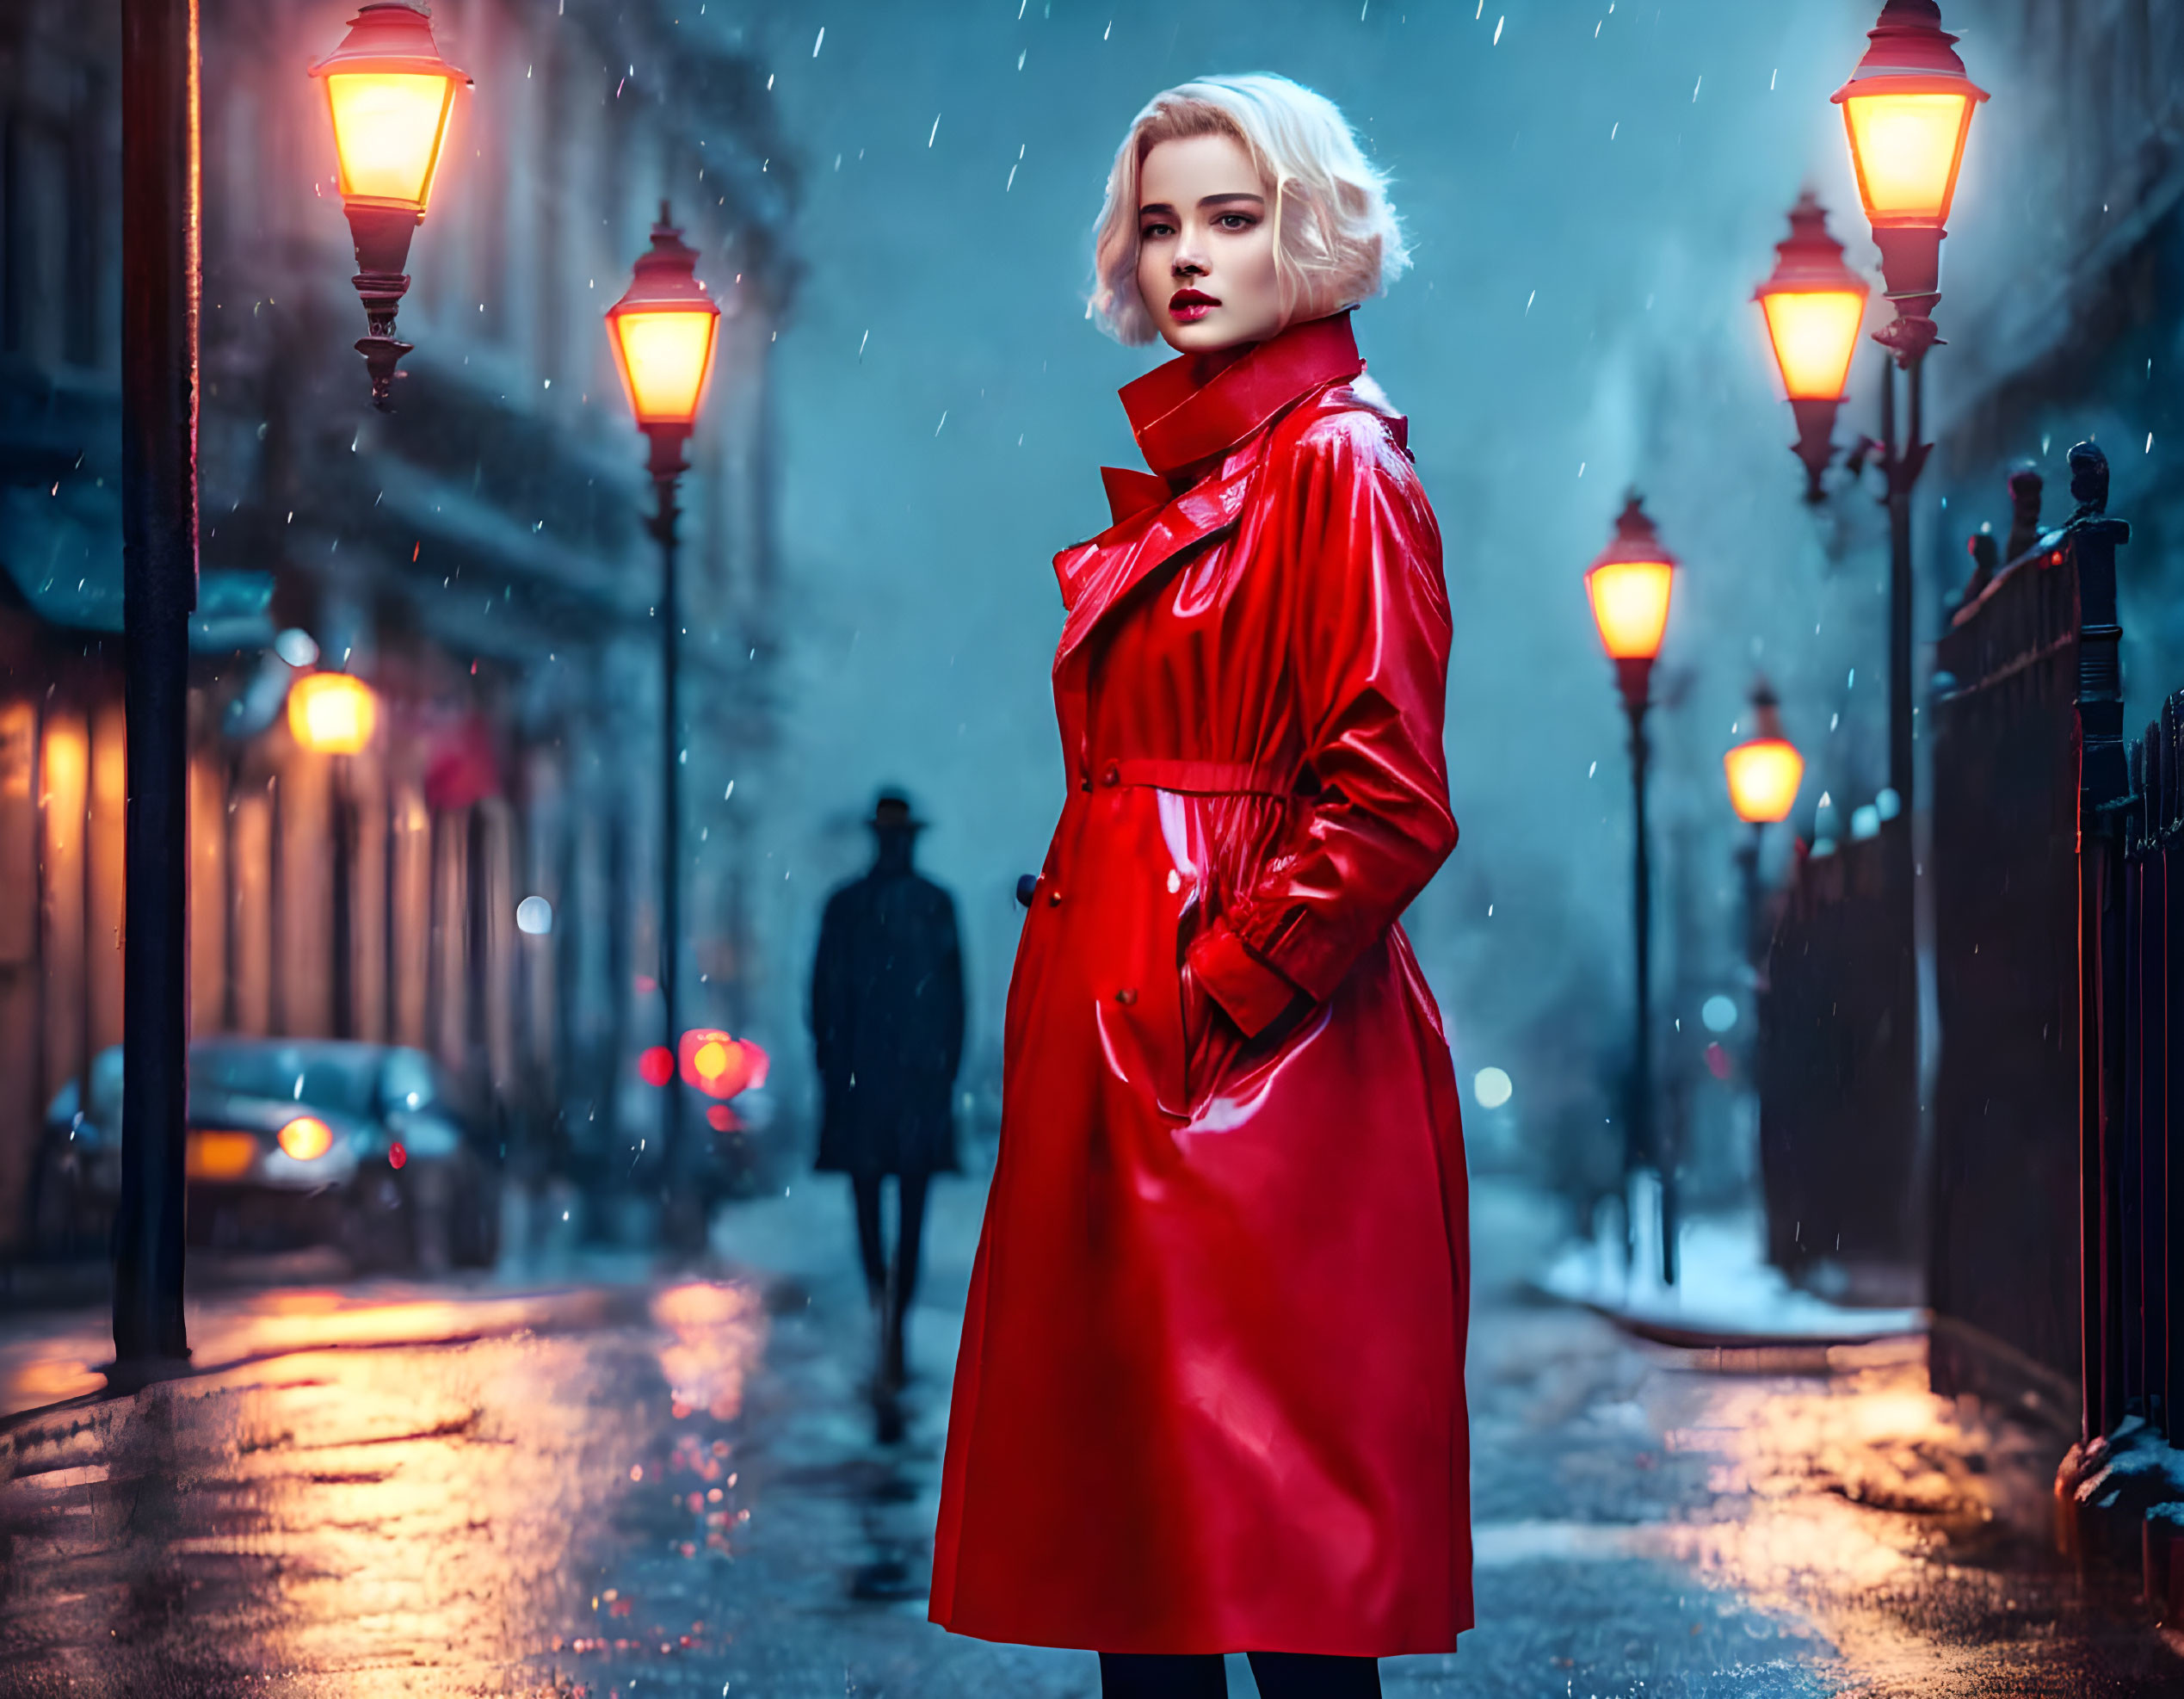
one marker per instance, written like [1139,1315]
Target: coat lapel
[1096,575]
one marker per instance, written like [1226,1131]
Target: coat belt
[1200,778]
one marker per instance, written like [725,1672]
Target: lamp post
[160,274]
[1629,585]
[1907,110]
[1814,304]
[663,330]
[1764,773]
[389,94]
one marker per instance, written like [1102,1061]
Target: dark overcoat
[888,1021]
[1211,1392]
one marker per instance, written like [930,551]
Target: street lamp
[389,94]
[1629,585]
[332,713]
[1908,108]
[1764,773]
[663,330]
[1814,304]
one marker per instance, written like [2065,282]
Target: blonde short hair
[1336,239]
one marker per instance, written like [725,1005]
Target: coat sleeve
[1370,637]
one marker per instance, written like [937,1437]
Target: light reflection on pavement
[621,1488]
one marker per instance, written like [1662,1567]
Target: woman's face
[1205,245]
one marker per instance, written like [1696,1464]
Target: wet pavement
[616,1486]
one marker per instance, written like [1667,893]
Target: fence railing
[2143,1194]
[1837,1065]
[2002,1242]
[2046,1248]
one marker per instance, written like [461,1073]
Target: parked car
[291,1141]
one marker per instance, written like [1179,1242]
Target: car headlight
[306,1138]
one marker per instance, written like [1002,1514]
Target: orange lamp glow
[306,1138]
[1907,148]
[388,127]
[1813,336]
[389,93]
[332,713]
[662,331]
[1765,772]
[1629,585]
[1763,779]
[1630,606]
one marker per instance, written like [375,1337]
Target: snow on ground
[1725,1293]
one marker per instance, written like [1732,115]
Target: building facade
[477,557]
[2064,310]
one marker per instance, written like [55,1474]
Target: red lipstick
[1188,306]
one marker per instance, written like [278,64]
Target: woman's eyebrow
[1204,202]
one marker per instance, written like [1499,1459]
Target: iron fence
[2047,1268]
[1836,1070]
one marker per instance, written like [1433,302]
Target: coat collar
[1187,427]
[1180,421]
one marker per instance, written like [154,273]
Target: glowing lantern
[331,713]
[306,1138]
[1814,304]
[1629,585]
[656,1066]
[1908,108]
[389,94]
[662,331]
[1765,772]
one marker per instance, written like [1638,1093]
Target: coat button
[1112,775]
[1053,899]
[1126,997]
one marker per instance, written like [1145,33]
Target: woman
[1210,1397]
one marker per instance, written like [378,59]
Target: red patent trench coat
[1210,1396]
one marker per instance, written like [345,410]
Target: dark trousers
[891,1287]
[1281,1675]
[910,1231]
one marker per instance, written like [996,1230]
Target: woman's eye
[1153,231]
[1236,221]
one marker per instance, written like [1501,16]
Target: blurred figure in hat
[887,1025]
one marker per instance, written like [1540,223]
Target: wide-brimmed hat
[891,812]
